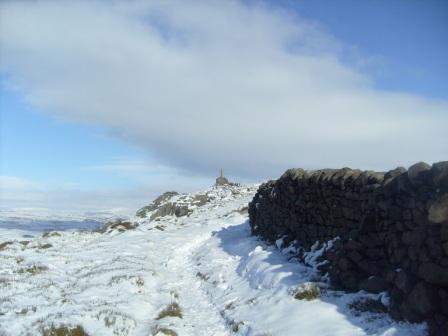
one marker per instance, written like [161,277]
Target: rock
[439,330]
[200,200]
[374,284]
[164,210]
[368,305]
[181,211]
[438,210]
[439,172]
[348,280]
[394,173]
[421,300]
[415,170]
[344,264]
[445,248]
[156,203]
[296,174]
[403,281]
[434,274]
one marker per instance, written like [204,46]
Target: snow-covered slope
[201,274]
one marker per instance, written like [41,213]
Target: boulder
[394,173]
[445,248]
[181,211]
[421,300]
[438,210]
[415,170]
[374,284]
[200,200]
[403,281]
[433,273]
[439,172]
[156,203]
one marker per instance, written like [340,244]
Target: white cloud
[209,84]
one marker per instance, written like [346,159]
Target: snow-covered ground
[206,267]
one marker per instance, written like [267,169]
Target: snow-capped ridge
[172,203]
[221,279]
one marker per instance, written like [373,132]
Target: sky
[105,104]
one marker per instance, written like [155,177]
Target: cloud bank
[209,84]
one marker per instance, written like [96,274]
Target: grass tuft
[3,245]
[51,234]
[119,225]
[307,291]
[35,269]
[64,331]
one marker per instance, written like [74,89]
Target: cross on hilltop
[221,180]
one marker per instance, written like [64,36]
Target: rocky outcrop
[390,231]
[155,205]
[172,203]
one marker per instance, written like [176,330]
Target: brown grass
[35,269]
[64,331]
[3,245]
[308,294]
[173,310]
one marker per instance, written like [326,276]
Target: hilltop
[199,272]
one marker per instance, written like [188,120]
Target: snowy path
[224,281]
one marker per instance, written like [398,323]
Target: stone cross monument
[221,180]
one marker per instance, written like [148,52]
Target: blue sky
[408,39]
[38,147]
[151,111]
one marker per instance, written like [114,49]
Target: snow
[225,281]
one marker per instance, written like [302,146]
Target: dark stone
[434,274]
[439,330]
[156,203]
[373,253]
[181,211]
[200,200]
[348,280]
[445,248]
[421,300]
[394,173]
[374,284]
[344,264]
[404,281]
[415,170]
[438,210]
[439,173]
[355,256]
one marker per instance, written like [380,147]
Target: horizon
[106,105]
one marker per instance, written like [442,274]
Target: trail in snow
[225,281]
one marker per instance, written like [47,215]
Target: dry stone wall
[391,230]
